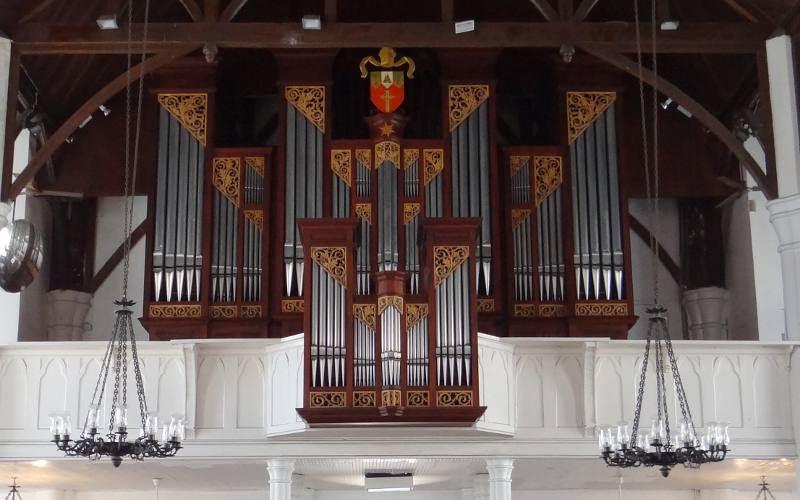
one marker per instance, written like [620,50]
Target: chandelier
[764,493]
[13,493]
[116,443]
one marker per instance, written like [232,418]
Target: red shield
[386,90]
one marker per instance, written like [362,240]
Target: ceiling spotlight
[684,111]
[665,104]
[670,25]
[464,26]
[85,121]
[312,22]
[105,109]
[70,140]
[108,22]
[382,482]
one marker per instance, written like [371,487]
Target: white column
[785,218]
[66,314]
[5,71]
[280,478]
[706,311]
[783,97]
[499,478]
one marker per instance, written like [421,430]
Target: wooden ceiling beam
[193,10]
[750,11]
[700,113]
[583,10]
[547,10]
[697,38]
[35,11]
[232,10]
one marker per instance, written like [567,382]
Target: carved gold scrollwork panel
[601,309]
[409,157]
[191,111]
[415,313]
[446,259]
[434,164]
[387,151]
[333,260]
[223,312]
[411,210]
[454,398]
[363,399]
[327,399]
[309,100]
[418,398]
[365,313]
[226,177]
[525,310]
[256,163]
[364,211]
[516,162]
[391,398]
[252,311]
[342,164]
[390,300]
[547,171]
[464,100]
[256,217]
[552,310]
[175,311]
[364,156]
[518,216]
[583,108]
[293,305]
[485,305]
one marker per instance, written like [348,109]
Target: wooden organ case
[389,253]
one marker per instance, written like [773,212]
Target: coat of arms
[387,90]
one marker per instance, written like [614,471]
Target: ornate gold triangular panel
[547,171]
[256,163]
[333,260]
[464,99]
[518,216]
[364,156]
[387,150]
[485,305]
[583,108]
[364,211]
[446,259]
[434,164]
[256,217]
[191,111]
[365,313]
[342,164]
[410,210]
[225,178]
[409,157]
[517,162]
[415,313]
[395,301]
[309,100]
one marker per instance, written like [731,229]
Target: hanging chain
[101,381]
[656,181]
[138,374]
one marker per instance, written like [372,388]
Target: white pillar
[785,218]
[5,71]
[280,478]
[499,478]
[66,314]
[706,311]
[783,97]
[480,487]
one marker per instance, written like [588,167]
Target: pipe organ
[388,252]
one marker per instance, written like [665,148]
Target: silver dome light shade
[21,255]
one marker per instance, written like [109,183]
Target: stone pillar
[499,478]
[783,97]
[5,71]
[706,313]
[480,487]
[66,314]
[785,218]
[280,478]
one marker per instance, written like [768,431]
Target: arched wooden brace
[90,106]
[705,117]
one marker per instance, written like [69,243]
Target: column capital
[280,470]
[499,468]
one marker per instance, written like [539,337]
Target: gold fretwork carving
[364,210]
[519,215]
[309,100]
[293,305]
[583,108]
[434,163]
[410,210]
[548,173]
[249,312]
[464,99]
[256,217]
[387,60]
[418,398]
[453,398]
[525,310]
[387,151]
[409,157]
[256,163]
[485,305]
[226,176]
[365,313]
[333,260]
[223,312]
[327,399]
[191,110]
[516,162]
[415,313]
[175,311]
[601,309]
[391,398]
[364,156]
[446,259]
[363,399]
[552,310]
[342,164]
[390,300]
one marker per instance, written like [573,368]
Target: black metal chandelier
[13,493]
[764,493]
[622,447]
[117,442]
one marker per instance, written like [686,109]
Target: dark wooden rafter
[547,10]
[447,8]
[35,11]
[583,10]
[193,10]
[211,10]
[232,10]
[565,9]
[114,260]
[666,259]
[330,10]
[71,124]
[705,117]
[692,38]
[750,11]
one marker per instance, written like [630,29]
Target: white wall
[669,237]
[739,274]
